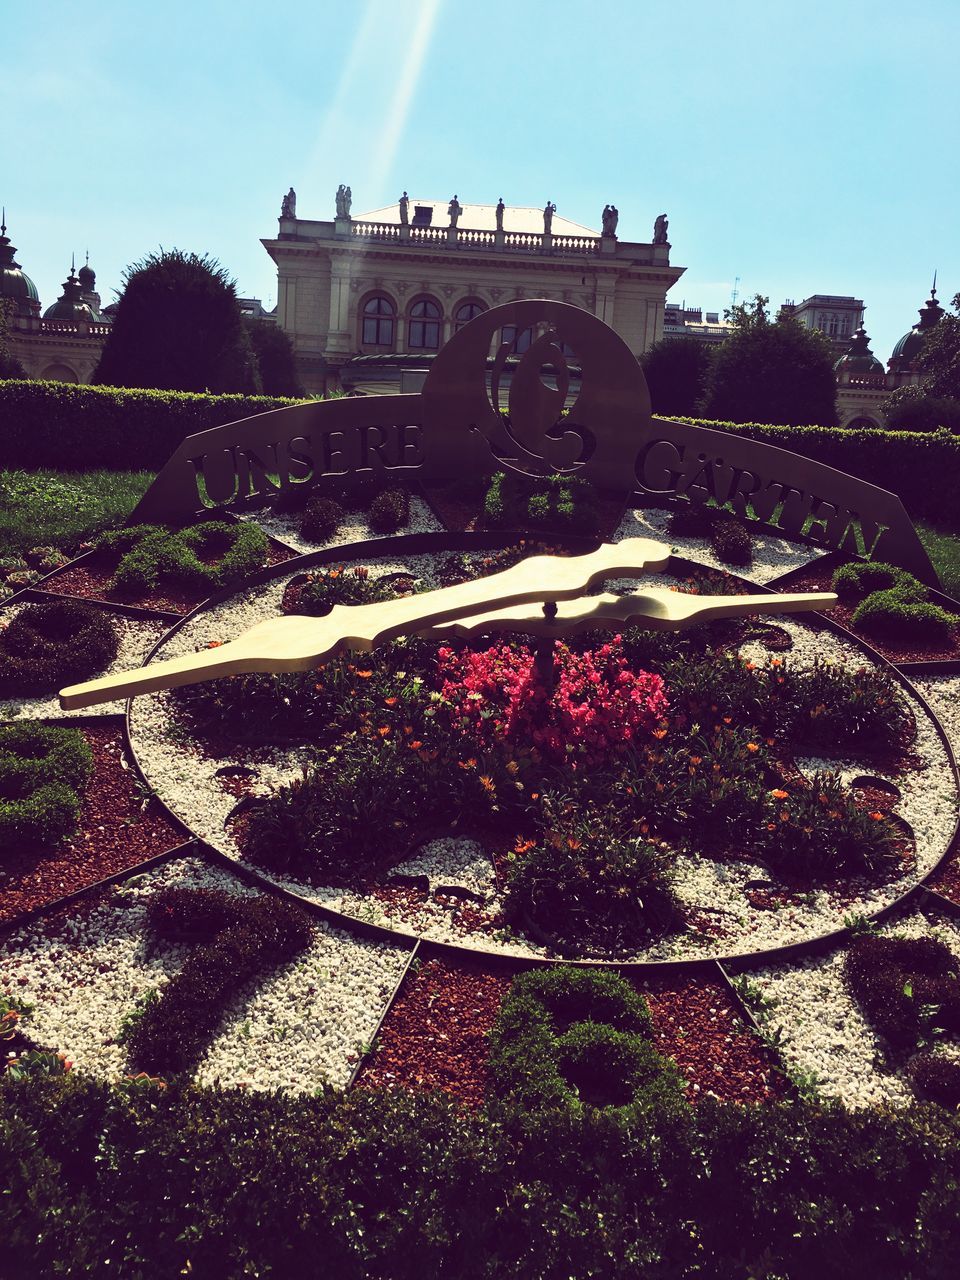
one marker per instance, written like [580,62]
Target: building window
[423,329]
[519,339]
[378,317]
[466,312]
[832,327]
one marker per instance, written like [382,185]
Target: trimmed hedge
[150,554]
[41,769]
[919,466]
[47,645]
[150,1182]
[80,428]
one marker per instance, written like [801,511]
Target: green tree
[771,371]
[275,358]
[178,327]
[10,366]
[676,371]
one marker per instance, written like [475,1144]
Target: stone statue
[548,211]
[660,229]
[454,209]
[344,196]
[610,219]
[500,209]
[340,191]
[404,209]
[288,208]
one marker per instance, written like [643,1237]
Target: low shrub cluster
[239,938]
[577,1038]
[556,503]
[140,1180]
[936,1078]
[325,588]
[204,557]
[389,511]
[42,769]
[909,988]
[729,538]
[893,604]
[46,646]
[321,518]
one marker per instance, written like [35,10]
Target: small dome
[70,305]
[15,283]
[858,358]
[907,350]
[87,277]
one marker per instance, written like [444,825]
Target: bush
[907,987]
[556,503]
[151,555]
[48,645]
[494,507]
[576,1038]
[80,428]
[42,767]
[591,882]
[248,936]
[328,587]
[897,615]
[389,511]
[828,706]
[854,581]
[936,1078]
[731,542]
[321,519]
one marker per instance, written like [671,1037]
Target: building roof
[70,306]
[859,359]
[14,282]
[911,344]
[481,217]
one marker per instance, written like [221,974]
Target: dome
[87,277]
[858,359]
[70,306]
[14,283]
[907,350]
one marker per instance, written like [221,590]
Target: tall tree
[676,371]
[178,327]
[275,358]
[771,371]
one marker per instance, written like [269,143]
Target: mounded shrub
[936,1078]
[898,615]
[731,542]
[389,511]
[906,986]
[150,555]
[42,767]
[324,588]
[854,581]
[247,937]
[321,519]
[576,1038]
[48,645]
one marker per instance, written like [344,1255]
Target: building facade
[365,297]
[836,317]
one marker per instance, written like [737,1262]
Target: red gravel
[820,580]
[947,879]
[435,1035]
[114,835]
[91,581]
[698,1025]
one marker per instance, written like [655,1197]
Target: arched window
[832,326]
[519,339]
[423,327]
[466,312]
[378,317]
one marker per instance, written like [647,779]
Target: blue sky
[806,148]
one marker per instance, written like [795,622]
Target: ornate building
[63,343]
[366,299]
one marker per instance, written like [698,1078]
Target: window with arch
[423,327]
[833,326]
[519,339]
[378,318]
[466,312]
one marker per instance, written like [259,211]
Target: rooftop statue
[500,209]
[404,209]
[288,208]
[610,219]
[548,211]
[344,198]
[660,229]
[454,209]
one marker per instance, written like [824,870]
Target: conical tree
[275,358]
[178,327]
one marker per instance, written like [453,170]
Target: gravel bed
[772,556]
[136,637]
[822,1034]
[119,827]
[435,1035]
[300,1028]
[943,694]
[285,527]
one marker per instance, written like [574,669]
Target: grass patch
[944,551]
[64,508]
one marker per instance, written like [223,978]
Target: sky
[796,148]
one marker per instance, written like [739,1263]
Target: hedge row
[78,428]
[143,1182]
[919,466]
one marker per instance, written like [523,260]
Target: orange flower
[524,846]
[659,733]
[779,794]
[488,784]
[364,675]
[384,731]
[512,768]
[752,747]
[776,662]
[390,702]
[415,745]
[749,666]
[334,573]
[877,817]
[214,644]
[573,843]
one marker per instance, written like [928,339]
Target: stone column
[340,325]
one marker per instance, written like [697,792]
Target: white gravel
[285,527]
[772,556]
[135,637]
[301,1027]
[821,1031]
